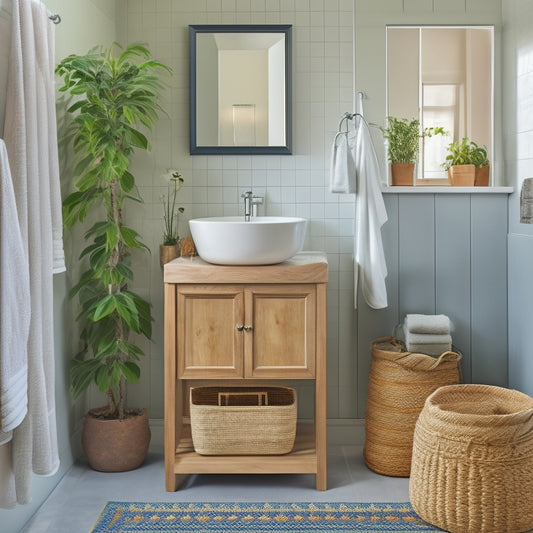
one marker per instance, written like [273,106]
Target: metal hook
[56,19]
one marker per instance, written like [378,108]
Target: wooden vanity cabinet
[243,326]
[246,331]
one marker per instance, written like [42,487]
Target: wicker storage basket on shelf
[398,385]
[243,420]
[472,468]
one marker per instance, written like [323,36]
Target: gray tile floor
[75,504]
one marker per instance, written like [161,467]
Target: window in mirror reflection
[444,77]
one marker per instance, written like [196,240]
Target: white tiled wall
[292,185]
[518,113]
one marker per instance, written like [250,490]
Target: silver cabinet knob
[248,328]
[240,327]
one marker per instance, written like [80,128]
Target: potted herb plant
[481,162]
[117,93]
[467,163]
[170,248]
[403,138]
[458,163]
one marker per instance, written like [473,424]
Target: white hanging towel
[30,134]
[370,267]
[14,309]
[342,171]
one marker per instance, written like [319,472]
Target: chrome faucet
[248,195]
[251,201]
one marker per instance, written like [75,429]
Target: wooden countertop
[304,267]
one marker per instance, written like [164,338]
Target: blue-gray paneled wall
[446,253]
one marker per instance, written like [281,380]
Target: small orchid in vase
[169,249]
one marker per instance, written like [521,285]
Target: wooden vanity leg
[171,480]
[321,390]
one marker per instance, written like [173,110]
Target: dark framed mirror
[240,89]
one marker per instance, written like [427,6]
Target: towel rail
[6,13]
[350,116]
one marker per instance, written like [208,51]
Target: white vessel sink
[261,241]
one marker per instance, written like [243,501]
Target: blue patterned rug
[129,517]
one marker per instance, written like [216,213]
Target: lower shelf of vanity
[302,459]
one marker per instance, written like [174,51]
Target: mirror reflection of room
[442,76]
[239,88]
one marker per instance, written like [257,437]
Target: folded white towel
[431,324]
[430,349]
[422,338]
[342,177]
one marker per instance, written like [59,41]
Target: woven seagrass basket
[472,469]
[398,385]
[243,420]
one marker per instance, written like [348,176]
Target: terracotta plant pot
[116,445]
[482,176]
[167,252]
[403,173]
[462,175]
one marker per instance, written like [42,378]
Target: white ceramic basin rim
[261,241]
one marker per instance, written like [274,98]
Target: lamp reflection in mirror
[244,124]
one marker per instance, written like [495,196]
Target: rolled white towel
[428,324]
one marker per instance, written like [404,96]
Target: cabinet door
[209,342]
[281,340]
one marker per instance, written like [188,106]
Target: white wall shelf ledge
[425,189]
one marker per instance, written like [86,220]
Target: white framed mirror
[240,89]
[442,76]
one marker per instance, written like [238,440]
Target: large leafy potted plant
[117,93]
[403,149]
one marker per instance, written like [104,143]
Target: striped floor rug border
[130,517]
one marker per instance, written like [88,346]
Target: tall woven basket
[398,385]
[472,469]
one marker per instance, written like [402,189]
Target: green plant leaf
[106,306]
[132,350]
[145,315]
[89,179]
[130,237]
[127,181]
[138,139]
[128,311]
[131,371]
[125,270]
[112,236]
[103,379]
[128,113]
